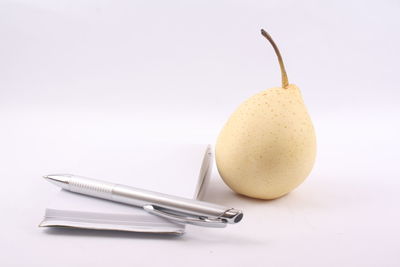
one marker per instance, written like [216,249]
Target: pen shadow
[68,231]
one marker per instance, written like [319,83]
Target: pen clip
[195,220]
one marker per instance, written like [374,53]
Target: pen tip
[58,179]
[52,176]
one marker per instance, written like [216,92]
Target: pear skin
[268,146]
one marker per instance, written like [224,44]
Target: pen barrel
[141,197]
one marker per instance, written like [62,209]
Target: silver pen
[177,209]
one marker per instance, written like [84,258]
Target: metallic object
[177,209]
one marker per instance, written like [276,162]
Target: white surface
[77,78]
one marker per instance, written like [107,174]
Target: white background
[81,78]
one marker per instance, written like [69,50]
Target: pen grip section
[91,187]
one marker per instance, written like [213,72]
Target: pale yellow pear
[268,145]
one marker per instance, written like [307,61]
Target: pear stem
[285,80]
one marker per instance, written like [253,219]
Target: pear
[268,146]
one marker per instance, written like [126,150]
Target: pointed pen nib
[61,180]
